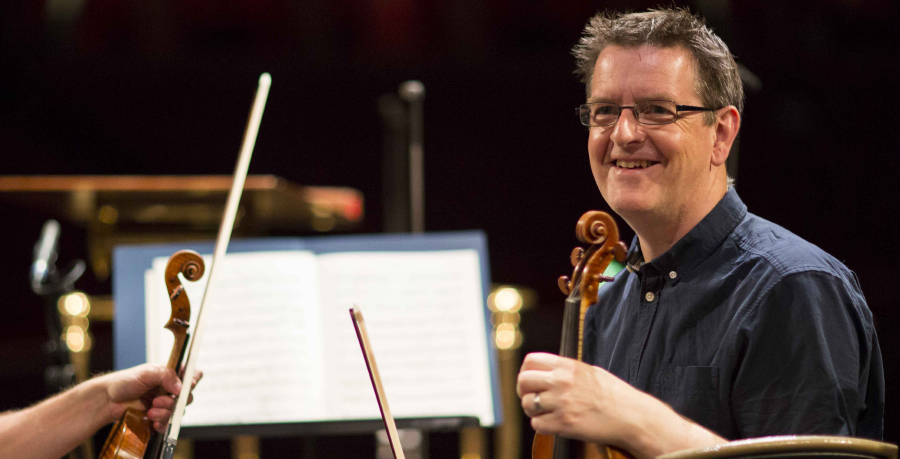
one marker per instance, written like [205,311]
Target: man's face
[642,170]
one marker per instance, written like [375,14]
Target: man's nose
[627,129]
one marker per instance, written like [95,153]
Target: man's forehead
[646,69]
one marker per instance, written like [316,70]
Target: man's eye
[604,110]
[657,109]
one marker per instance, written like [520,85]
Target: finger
[541,361]
[190,398]
[545,424]
[197,376]
[166,402]
[170,382]
[159,415]
[533,381]
[529,406]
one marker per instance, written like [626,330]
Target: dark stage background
[131,87]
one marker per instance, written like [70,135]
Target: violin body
[133,437]
[599,230]
[129,438]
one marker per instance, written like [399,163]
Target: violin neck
[570,344]
[178,350]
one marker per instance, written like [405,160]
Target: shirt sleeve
[804,357]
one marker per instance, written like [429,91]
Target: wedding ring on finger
[538,409]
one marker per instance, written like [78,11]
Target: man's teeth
[633,164]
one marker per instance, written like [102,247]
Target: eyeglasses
[652,112]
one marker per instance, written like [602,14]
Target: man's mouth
[639,164]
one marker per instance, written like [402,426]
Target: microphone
[45,254]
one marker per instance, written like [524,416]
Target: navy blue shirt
[746,329]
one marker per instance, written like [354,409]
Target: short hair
[718,79]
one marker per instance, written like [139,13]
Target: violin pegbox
[564,282]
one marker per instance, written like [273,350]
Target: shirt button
[650,297]
[672,274]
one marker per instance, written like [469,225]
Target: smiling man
[724,325]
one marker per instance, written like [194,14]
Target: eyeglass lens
[647,112]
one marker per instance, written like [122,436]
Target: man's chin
[631,206]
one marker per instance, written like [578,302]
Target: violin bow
[234,197]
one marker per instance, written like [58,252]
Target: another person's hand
[137,388]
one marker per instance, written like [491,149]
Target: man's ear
[728,122]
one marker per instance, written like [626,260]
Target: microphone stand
[48,283]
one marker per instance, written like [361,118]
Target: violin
[133,435]
[600,230]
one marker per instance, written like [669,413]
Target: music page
[425,316]
[261,353]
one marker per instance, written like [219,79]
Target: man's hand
[137,388]
[588,403]
[577,400]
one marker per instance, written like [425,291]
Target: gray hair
[718,80]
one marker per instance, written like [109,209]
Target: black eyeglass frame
[678,109]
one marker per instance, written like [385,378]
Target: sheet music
[279,348]
[261,355]
[425,314]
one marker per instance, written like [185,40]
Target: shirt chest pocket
[694,393]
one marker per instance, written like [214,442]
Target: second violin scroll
[190,265]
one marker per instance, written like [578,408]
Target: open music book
[278,347]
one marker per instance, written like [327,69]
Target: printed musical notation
[279,346]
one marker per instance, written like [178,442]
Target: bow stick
[234,197]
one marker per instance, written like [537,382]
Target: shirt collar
[698,243]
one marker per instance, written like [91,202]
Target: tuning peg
[564,284]
[576,255]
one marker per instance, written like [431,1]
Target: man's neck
[658,233]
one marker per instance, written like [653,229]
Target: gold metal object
[506,303]
[245,447]
[472,443]
[184,449]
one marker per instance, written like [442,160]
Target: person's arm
[588,403]
[55,426]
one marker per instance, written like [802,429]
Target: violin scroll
[594,227]
[193,268]
[598,228]
[190,264]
